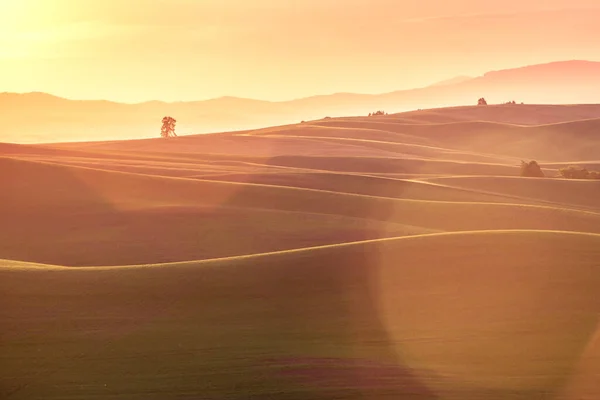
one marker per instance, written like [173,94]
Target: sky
[180,50]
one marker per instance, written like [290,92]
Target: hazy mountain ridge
[41,117]
[452,81]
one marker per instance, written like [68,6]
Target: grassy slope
[550,133]
[384,319]
[370,185]
[563,141]
[482,314]
[561,191]
[520,114]
[73,216]
[80,216]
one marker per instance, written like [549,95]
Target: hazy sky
[137,50]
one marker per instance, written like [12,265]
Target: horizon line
[292,99]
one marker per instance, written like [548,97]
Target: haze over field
[191,266]
[437,250]
[40,117]
[225,65]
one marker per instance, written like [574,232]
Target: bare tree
[168,127]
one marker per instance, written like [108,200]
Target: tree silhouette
[531,169]
[482,102]
[168,127]
[574,172]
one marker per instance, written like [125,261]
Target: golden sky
[138,50]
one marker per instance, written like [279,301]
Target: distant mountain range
[40,117]
[453,81]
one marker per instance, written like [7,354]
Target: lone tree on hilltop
[168,127]
[531,169]
[482,102]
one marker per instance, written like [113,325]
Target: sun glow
[139,50]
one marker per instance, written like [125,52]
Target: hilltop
[39,117]
[395,256]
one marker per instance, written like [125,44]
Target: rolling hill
[379,319]
[398,256]
[39,117]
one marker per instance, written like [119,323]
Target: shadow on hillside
[296,325]
[319,312]
[364,165]
[334,341]
[43,203]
